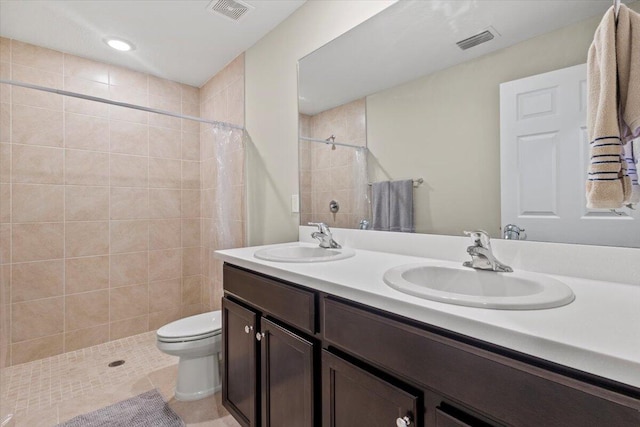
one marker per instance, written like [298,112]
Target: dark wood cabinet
[354,397]
[287,377]
[240,356]
[318,359]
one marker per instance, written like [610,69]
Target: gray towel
[401,206]
[380,205]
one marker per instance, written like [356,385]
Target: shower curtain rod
[119,104]
[324,141]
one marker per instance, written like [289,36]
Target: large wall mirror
[397,98]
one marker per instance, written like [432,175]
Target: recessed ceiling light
[119,44]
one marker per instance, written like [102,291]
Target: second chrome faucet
[482,257]
[323,235]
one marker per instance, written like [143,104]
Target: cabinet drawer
[290,304]
[504,389]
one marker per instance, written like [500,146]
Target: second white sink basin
[476,288]
[295,253]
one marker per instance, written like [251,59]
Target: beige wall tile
[129,203]
[32,242]
[86,274]
[129,269]
[190,175]
[129,138]
[36,126]
[35,56]
[164,173]
[36,280]
[165,104]
[135,80]
[128,327]
[191,310]
[88,337]
[36,98]
[5,203]
[164,142]
[86,132]
[129,236]
[191,203]
[36,165]
[5,243]
[86,69]
[126,95]
[235,100]
[191,261]
[165,88]
[86,203]
[40,348]
[86,167]
[86,238]
[165,264]
[164,233]
[5,162]
[5,122]
[36,319]
[160,318]
[5,49]
[86,310]
[190,94]
[87,87]
[129,171]
[129,301]
[164,295]
[190,146]
[164,204]
[37,203]
[191,233]
[191,290]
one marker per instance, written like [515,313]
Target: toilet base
[198,377]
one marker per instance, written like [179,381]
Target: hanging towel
[628,56]
[401,206]
[380,205]
[608,185]
[632,157]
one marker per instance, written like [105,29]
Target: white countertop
[599,332]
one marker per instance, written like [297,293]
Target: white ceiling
[177,40]
[414,38]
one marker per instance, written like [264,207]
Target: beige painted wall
[446,129]
[272,110]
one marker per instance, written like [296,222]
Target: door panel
[239,350]
[287,378]
[354,397]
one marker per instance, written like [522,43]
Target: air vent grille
[230,9]
[472,41]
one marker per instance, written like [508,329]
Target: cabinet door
[354,397]
[239,352]
[287,377]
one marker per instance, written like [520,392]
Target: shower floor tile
[52,390]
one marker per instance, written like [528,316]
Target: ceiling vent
[472,41]
[231,9]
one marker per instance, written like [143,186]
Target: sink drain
[116,363]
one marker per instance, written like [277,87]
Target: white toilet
[197,341]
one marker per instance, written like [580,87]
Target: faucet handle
[479,237]
[322,227]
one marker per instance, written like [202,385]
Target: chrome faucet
[481,255]
[324,236]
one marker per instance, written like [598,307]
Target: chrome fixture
[513,232]
[403,422]
[416,182]
[481,255]
[334,206]
[324,236]
[364,224]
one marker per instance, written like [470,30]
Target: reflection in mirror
[434,111]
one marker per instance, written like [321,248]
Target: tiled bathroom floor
[55,389]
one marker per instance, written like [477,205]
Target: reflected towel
[632,157]
[380,205]
[401,206]
[628,56]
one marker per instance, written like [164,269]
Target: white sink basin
[303,254]
[475,288]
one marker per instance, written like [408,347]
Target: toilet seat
[192,328]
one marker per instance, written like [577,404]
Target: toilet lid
[200,324]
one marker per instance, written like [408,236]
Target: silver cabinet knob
[248,329]
[259,336]
[403,422]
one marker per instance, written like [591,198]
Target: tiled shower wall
[100,234]
[222,99]
[328,173]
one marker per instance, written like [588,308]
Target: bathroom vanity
[303,350]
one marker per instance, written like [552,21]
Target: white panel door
[544,153]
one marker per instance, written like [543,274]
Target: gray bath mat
[145,410]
